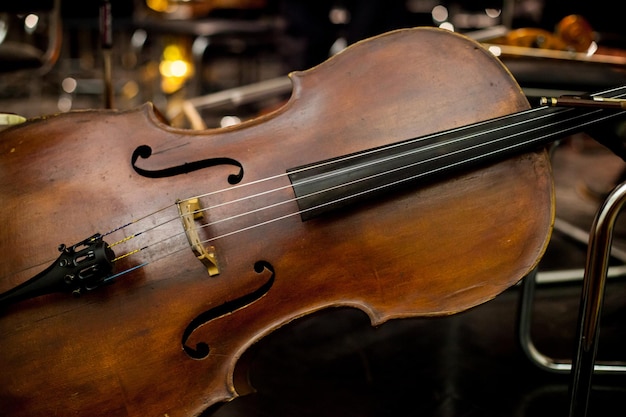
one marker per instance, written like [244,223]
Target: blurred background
[57,56]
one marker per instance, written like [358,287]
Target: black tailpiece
[80,267]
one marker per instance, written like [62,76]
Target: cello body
[164,339]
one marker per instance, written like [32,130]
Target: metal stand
[547,363]
[596,268]
[596,271]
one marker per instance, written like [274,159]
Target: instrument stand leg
[598,252]
[594,278]
[595,274]
[525,320]
[524,324]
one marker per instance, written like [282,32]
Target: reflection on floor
[470,364]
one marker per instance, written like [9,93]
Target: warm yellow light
[158,5]
[175,67]
[178,68]
[172,53]
[171,85]
[130,89]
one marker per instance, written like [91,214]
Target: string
[135,221]
[322,164]
[348,157]
[414,151]
[386,185]
[411,152]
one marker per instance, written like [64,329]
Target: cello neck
[327,185]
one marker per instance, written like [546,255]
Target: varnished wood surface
[467,364]
[435,251]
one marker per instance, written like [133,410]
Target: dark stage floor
[466,365]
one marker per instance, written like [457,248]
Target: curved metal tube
[598,252]
[524,325]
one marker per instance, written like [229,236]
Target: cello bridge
[190,211]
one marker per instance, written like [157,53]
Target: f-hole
[202,349]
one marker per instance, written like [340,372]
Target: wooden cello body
[164,338]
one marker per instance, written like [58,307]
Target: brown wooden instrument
[572,40]
[573,33]
[191,290]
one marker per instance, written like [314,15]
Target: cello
[406,177]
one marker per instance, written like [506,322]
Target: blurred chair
[30,40]
[30,35]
